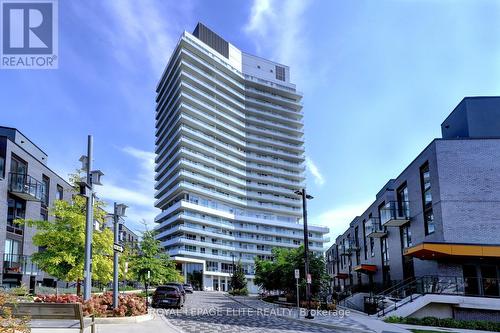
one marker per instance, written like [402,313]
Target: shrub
[19,291]
[239,292]
[102,305]
[447,322]
[7,322]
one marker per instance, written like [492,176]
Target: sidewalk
[157,324]
[353,321]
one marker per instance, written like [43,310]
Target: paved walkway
[213,312]
[352,320]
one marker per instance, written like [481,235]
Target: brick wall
[469,177]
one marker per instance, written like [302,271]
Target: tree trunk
[78,288]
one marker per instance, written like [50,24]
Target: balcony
[19,264]
[395,214]
[374,229]
[26,187]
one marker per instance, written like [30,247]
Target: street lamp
[118,214]
[305,197]
[93,177]
[232,273]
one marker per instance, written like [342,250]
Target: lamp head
[120,210]
[85,162]
[96,177]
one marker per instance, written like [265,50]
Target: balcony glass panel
[395,211]
[26,187]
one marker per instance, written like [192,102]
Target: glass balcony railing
[19,264]
[26,187]
[395,213]
[374,228]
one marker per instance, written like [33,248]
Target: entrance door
[489,280]
[216,284]
[408,270]
[471,280]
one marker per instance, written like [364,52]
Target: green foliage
[22,290]
[63,241]
[446,322]
[239,292]
[238,279]
[152,257]
[279,273]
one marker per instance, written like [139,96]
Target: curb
[307,321]
[124,320]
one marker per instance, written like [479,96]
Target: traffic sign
[297,274]
[117,248]
[309,278]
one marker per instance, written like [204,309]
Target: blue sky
[378,79]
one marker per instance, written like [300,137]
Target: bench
[52,315]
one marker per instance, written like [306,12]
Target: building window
[385,251]
[44,213]
[12,250]
[425,180]
[60,192]
[403,206]
[372,247]
[190,248]
[16,210]
[212,266]
[365,248]
[430,226]
[280,73]
[2,167]
[406,236]
[18,166]
[45,190]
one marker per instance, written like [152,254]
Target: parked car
[188,288]
[181,288]
[168,296]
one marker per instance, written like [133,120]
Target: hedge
[447,322]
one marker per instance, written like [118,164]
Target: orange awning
[446,250]
[365,268]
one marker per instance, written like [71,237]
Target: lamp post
[232,272]
[118,213]
[305,197]
[87,190]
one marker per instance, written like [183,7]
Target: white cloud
[149,25]
[314,170]
[137,192]
[338,219]
[277,28]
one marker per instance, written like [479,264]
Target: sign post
[297,277]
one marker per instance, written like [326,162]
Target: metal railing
[19,264]
[27,185]
[408,290]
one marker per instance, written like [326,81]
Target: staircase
[410,289]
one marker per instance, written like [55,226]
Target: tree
[151,257]
[63,243]
[238,279]
[278,273]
